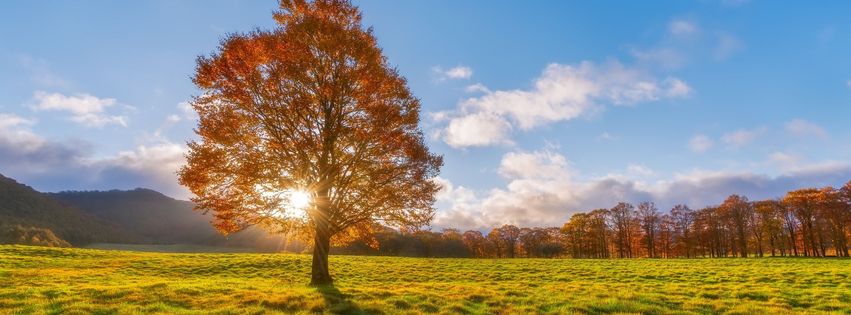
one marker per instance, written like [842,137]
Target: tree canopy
[311,107]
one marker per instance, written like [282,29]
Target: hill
[96,281]
[158,219]
[25,212]
[153,217]
[139,216]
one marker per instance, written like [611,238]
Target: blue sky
[540,109]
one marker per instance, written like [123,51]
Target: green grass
[176,248]
[38,280]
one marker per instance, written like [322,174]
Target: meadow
[41,280]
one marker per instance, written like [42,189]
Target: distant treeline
[806,222]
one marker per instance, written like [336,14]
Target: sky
[540,109]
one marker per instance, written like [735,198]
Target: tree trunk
[319,274]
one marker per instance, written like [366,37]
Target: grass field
[177,248]
[37,280]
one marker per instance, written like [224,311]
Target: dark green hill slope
[22,206]
[157,218]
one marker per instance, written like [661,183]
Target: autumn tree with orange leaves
[311,106]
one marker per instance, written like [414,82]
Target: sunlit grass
[36,280]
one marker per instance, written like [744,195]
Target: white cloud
[84,108]
[785,161]
[477,88]
[803,128]
[23,150]
[153,164]
[677,88]
[742,137]
[11,120]
[186,110]
[54,165]
[640,170]
[477,129]
[848,83]
[459,72]
[683,28]
[542,190]
[172,118]
[562,92]
[700,143]
[544,164]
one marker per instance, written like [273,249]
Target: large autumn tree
[311,108]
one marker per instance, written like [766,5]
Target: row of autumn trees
[806,222]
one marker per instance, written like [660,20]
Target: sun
[291,203]
[299,200]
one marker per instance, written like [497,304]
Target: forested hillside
[22,209]
[139,216]
[158,219]
[152,216]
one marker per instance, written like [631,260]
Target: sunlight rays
[291,203]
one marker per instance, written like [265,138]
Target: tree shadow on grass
[337,302]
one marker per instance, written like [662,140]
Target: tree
[475,242]
[576,233]
[834,213]
[667,228]
[767,223]
[803,203]
[494,240]
[621,217]
[311,108]
[508,236]
[683,218]
[649,217]
[738,211]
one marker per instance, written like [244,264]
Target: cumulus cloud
[12,120]
[542,190]
[186,111]
[476,130]
[677,88]
[480,88]
[152,165]
[84,108]
[562,92]
[455,73]
[23,150]
[53,165]
[640,170]
[803,128]
[742,137]
[700,143]
[785,161]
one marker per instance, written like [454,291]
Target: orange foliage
[311,105]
